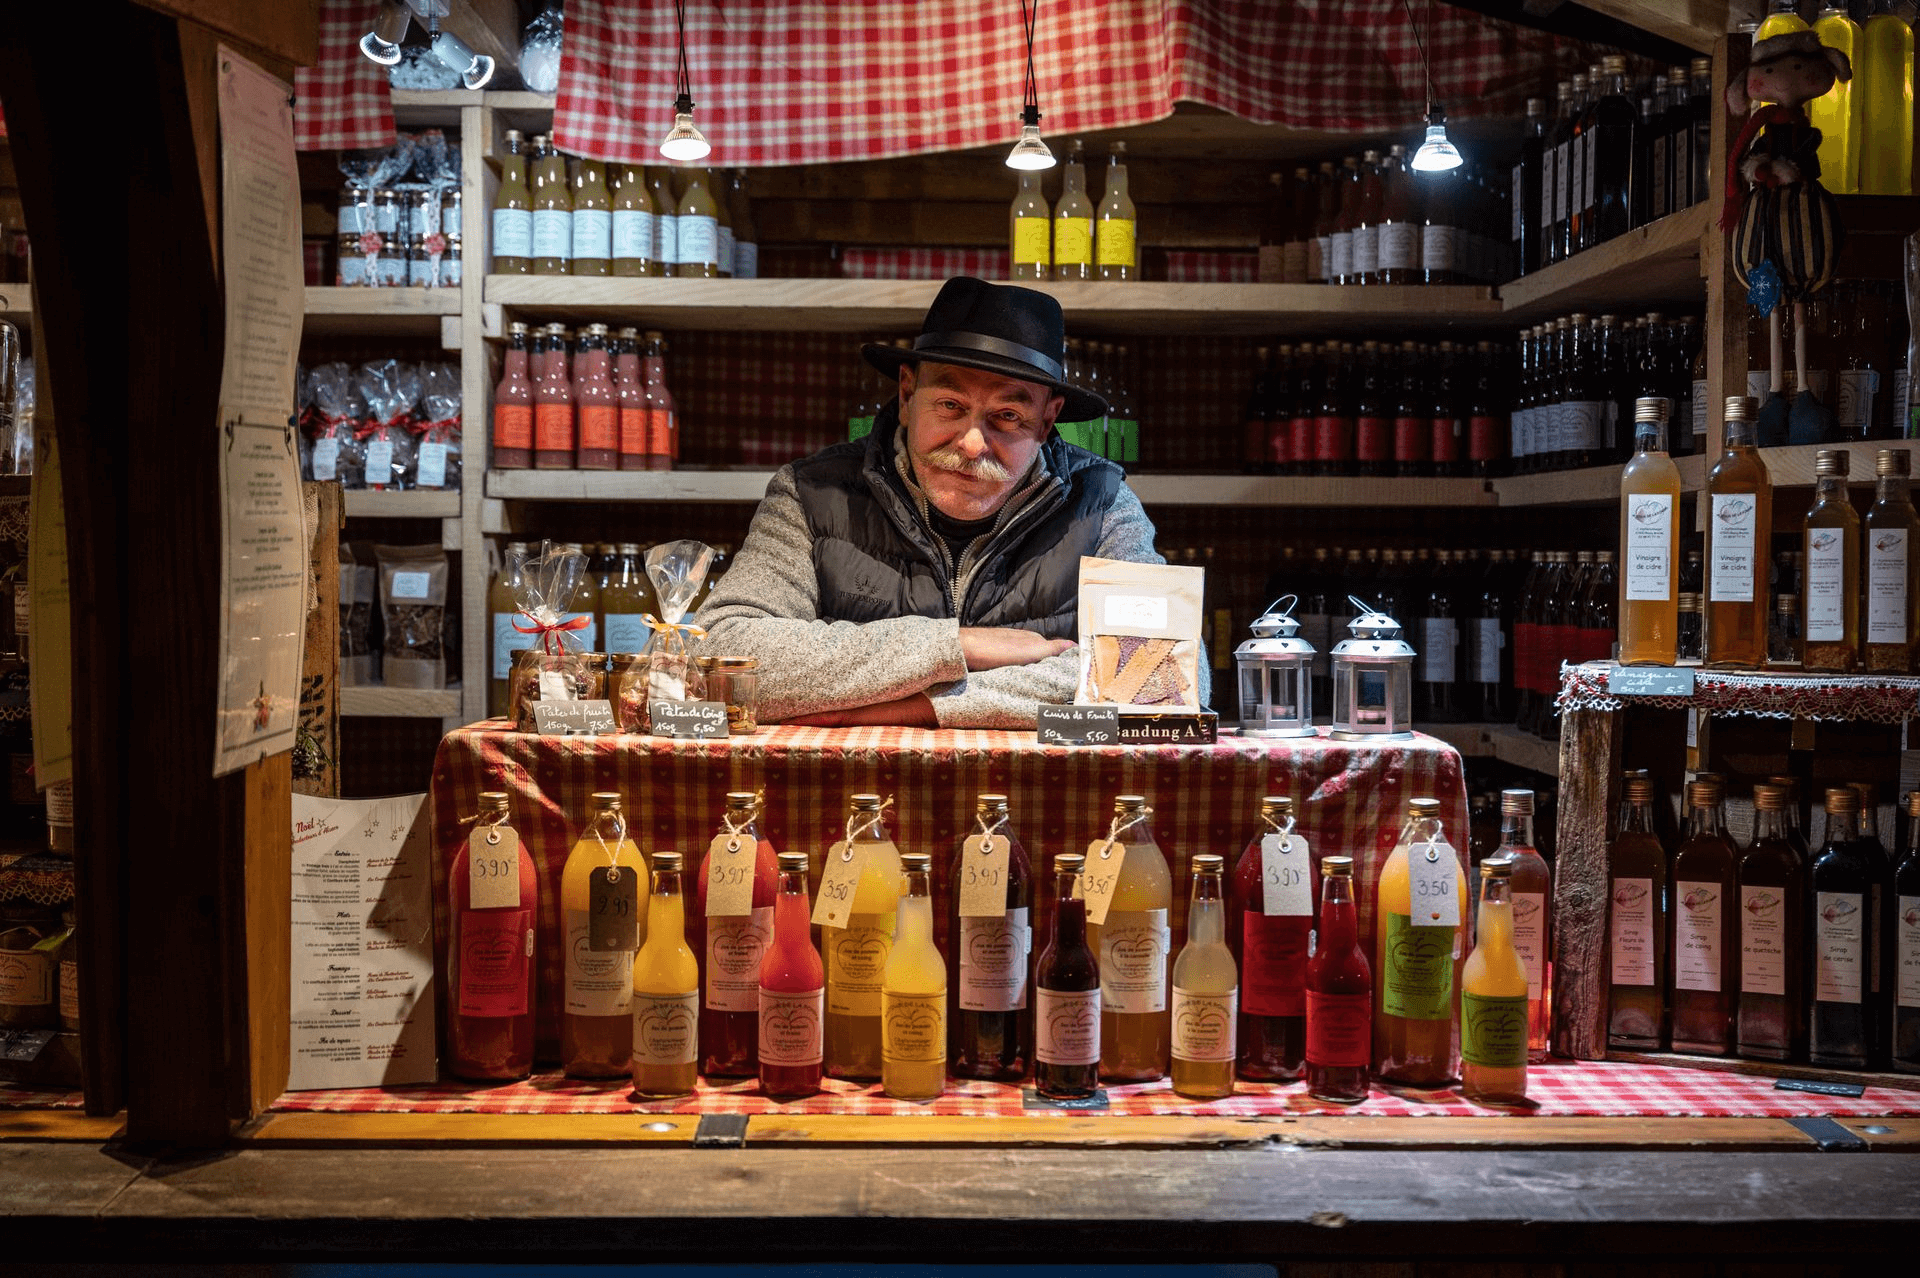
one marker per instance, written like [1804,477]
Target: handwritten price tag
[1436,886]
[983,876]
[730,866]
[613,908]
[1102,876]
[1286,877]
[1078,725]
[493,868]
[833,906]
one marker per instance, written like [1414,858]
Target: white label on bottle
[592,234]
[1366,250]
[1562,172]
[1906,932]
[1826,595]
[1438,636]
[666,1028]
[792,1027]
[1763,940]
[666,238]
[1133,961]
[1699,415]
[746,260]
[1286,877]
[1437,248]
[1485,642]
[26,978]
[632,234]
[1530,938]
[1901,427]
[699,239]
[1697,911]
[1203,1025]
[1730,548]
[1340,259]
[1649,548]
[1590,424]
[380,462]
[326,458]
[1434,887]
[726,250]
[506,642]
[1854,409]
[1066,1027]
[552,233]
[993,962]
[598,982]
[1838,943]
[1759,385]
[627,632]
[1587,198]
[1518,203]
[513,233]
[1887,550]
[1526,424]
[431,470]
[735,945]
[410,585]
[1399,246]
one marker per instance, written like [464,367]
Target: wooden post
[1589,771]
[320,668]
[1726,319]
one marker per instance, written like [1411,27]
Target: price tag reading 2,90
[493,868]
[1102,876]
[1434,881]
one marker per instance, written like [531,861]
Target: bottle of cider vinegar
[1649,543]
[1739,524]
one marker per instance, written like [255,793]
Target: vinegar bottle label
[1203,1025]
[1030,241]
[1887,551]
[1339,1029]
[1649,548]
[1730,575]
[699,240]
[791,1027]
[1826,601]
[1072,241]
[1115,242]
[1838,932]
[1066,1027]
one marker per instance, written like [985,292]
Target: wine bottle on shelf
[666,991]
[1892,541]
[1437,686]
[1649,543]
[989,949]
[1256,447]
[1843,941]
[792,999]
[1739,525]
[1612,128]
[1206,989]
[1771,1020]
[1556,171]
[1700,114]
[1339,995]
[1906,962]
[1369,209]
[1704,931]
[1839,113]
[1300,203]
[1527,174]
[1398,250]
[1066,1064]
[1372,426]
[1831,538]
[1488,679]
[1326,217]
[1412,431]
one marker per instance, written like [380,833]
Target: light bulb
[1436,154]
[685,141]
[1030,152]
[475,69]
[382,44]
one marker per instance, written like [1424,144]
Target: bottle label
[1839,943]
[1399,246]
[1549,182]
[1133,961]
[592,234]
[626,632]
[1203,1025]
[856,957]
[496,960]
[1366,250]
[1763,940]
[1904,428]
[1300,438]
[1906,928]
[553,428]
[791,1027]
[726,250]
[1699,406]
[1438,246]
[1438,636]
[913,1028]
[1373,439]
[1484,643]
[661,432]
[552,233]
[1319,258]
[512,427]
[1587,424]
[1759,385]
[1826,598]
[1115,242]
[666,1028]
[26,978]
[1853,410]
[1339,1029]
[1340,259]
[1530,939]
[513,233]
[1493,1030]
[1697,961]
[506,642]
[69,991]
[633,432]
[1562,179]
[326,458]
[1273,970]
[993,961]
[1730,552]
[736,943]
[1072,241]
[1483,438]
[1659,175]
[1293,262]
[1630,931]
[1333,438]
[1588,196]
[1418,981]
[1030,242]
[1066,1027]
[1446,439]
[1887,550]
[431,469]
[666,238]
[1651,521]
[632,234]
[699,241]
[1410,441]
[599,428]
[1517,202]
[598,982]
[746,260]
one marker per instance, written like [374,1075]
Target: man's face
[971,435]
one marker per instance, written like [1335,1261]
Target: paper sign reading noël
[730,867]
[983,876]
[613,909]
[1435,886]
[838,878]
[493,868]
[1102,876]
[1286,877]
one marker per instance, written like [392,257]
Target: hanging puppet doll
[1787,239]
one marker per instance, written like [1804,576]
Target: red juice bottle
[731,946]
[553,434]
[513,406]
[663,419]
[493,898]
[1066,983]
[596,403]
[793,992]
[632,395]
[1269,943]
[1339,995]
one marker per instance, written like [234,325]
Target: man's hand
[907,712]
[990,647]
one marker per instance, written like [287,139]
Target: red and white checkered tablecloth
[1351,798]
[342,102]
[1565,1089]
[18,1098]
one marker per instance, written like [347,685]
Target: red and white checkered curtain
[341,102]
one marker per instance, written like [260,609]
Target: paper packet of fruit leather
[1139,634]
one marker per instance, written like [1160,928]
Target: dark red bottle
[1412,431]
[1333,421]
[1339,995]
[730,949]
[1372,426]
[1066,982]
[1271,952]
[490,948]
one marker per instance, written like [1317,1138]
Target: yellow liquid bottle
[699,229]
[552,209]
[1416,963]
[1116,240]
[1831,602]
[1073,220]
[1839,112]
[1029,235]
[1206,991]
[1649,543]
[1781,19]
[913,995]
[1892,536]
[1883,81]
[602,888]
[857,953]
[513,213]
[592,221]
[666,990]
[1132,944]
[1493,998]
[1739,524]
[632,224]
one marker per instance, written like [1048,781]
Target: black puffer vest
[876,559]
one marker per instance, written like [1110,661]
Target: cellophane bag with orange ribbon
[666,671]
[556,667]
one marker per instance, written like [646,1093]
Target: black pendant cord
[1030,14]
[1426,66]
[685,83]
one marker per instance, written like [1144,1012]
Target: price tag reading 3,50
[838,878]
[730,867]
[493,868]
[613,909]
[1286,877]
[1102,876]
[983,876]
[1435,885]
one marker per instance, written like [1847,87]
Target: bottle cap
[1689,601]
[517,329]
[1787,605]
[1603,556]
[1129,802]
[1865,790]
[1614,64]
[1497,867]
[1070,862]
[1536,106]
[990,804]
[1769,798]
[1516,803]
[1208,863]
[916,862]
[1424,808]
[1740,408]
[670,862]
[1343,865]
[1650,408]
[1676,77]
[1842,801]
[605,801]
[493,803]
[1700,66]
[1640,789]
[1704,794]
[1892,461]
[864,802]
[1276,805]
[1913,803]
[791,861]
[1831,461]
[737,798]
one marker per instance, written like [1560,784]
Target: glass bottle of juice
[552,209]
[793,992]
[857,953]
[1649,543]
[1843,939]
[632,224]
[1132,943]
[746,236]
[1030,240]
[1072,220]
[699,230]
[503,606]
[913,994]
[732,925]
[1116,243]
[493,898]
[1906,955]
[663,418]
[592,221]
[666,991]
[1339,995]
[553,432]
[1831,601]
[629,388]
[513,213]
[1369,208]
[1493,998]
[600,907]
[596,403]
[666,222]
[1839,113]
[1739,524]
[1206,990]
[990,950]
[513,405]
[1417,952]
[1066,983]
[1771,1021]
[723,220]
[1267,930]
[585,603]
[1703,930]
[1892,537]
[1883,80]
[626,600]
[1531,893]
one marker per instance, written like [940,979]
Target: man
[928,575]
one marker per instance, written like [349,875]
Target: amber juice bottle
[1649,543]
[699,229]
[1132,945]
[1702,929]
[1637,926]
[1830,604]
[1739,526]
[1416,1000]
[592,221]
[1892,545]
[552,210]
[1771,1020]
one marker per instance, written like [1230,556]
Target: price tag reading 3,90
[1435,885]
[983,876]
[493,868]
[1286,881]
[730,866]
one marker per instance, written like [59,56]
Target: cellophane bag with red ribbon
[556,667]
[667,671]
[437,427]
[391,390]
[338,452]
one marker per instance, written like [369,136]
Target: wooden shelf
[853,306]
[400,703]
[628,485]
[1653,265]
[1592,485]
[1792,466]
[433,504]
[352,312]
[1345,491]
[1500,741]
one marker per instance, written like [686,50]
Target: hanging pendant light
[684,141]
[382,44]
[1030,152]
[1436,154]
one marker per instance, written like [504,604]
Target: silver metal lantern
[1372,677]
[1276,676]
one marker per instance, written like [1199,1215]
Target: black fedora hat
[997,328]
